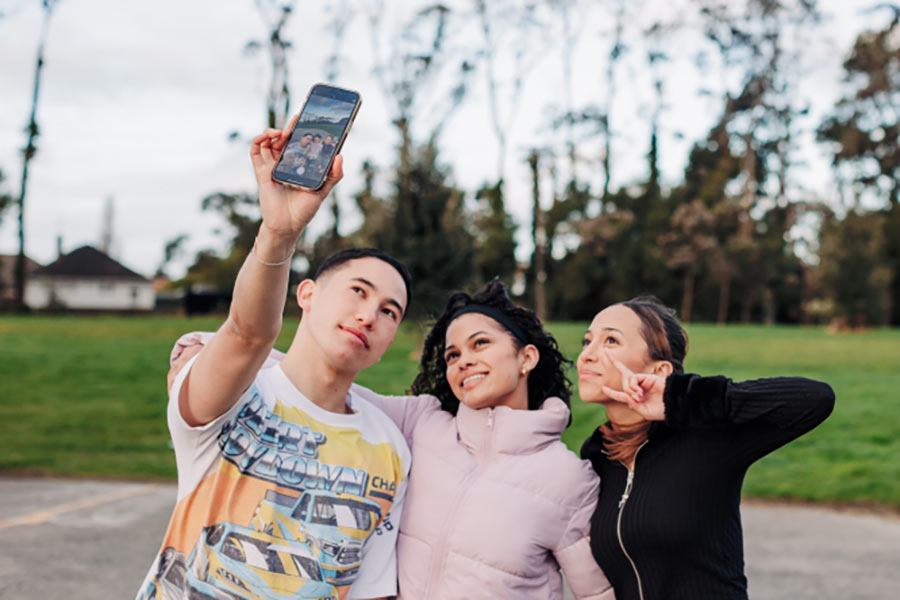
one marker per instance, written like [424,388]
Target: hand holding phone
[317,137]
[286,209]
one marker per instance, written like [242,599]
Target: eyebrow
[375,289]
[587,331]
[477,333]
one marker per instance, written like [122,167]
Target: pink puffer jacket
[496,504]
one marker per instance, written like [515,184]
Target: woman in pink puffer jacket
[496,503]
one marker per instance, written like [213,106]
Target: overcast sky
[138,98]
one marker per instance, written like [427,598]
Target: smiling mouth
[472,380]
[582,374]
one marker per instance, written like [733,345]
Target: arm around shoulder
[404,411]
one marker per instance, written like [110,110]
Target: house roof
[88,262]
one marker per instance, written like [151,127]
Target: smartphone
[317,137]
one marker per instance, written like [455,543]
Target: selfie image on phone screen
[317,136]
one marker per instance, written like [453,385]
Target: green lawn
[86,396]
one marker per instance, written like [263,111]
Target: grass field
[86,396]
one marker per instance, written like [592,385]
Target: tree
[513,27]
[591,276]
[854,273]
[760,124]
[6,198]
[539,237]
[616,52]
[427,231]
[241,212]
[495,236]
[410,77]
[864,132]
[275,14]
[341,14]
[686,245]
[173,249]
[30,150]
[6,201]
[377,227]
[422,223]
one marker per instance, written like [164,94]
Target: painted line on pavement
[42,516]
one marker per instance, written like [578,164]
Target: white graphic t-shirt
[280,499]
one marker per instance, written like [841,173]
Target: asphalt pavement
[94,540]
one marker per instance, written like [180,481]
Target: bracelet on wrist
[255,255]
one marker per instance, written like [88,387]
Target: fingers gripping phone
[317,137]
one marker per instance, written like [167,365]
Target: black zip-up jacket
[676,533]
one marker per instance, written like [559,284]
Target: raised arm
[793,404]
[687,400]
[772,411]
[228,363]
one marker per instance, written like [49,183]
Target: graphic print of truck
[233,562]
[168,583]
[334,525]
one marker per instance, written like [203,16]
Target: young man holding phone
[289,484]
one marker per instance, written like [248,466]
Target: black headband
[497,315]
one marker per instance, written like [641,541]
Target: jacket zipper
[438,560]
[628,485]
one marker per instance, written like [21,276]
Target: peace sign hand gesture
[642,392]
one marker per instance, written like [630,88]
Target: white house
[87,279]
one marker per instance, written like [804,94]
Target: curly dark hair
[548,377]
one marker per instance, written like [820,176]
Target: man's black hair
[340,257]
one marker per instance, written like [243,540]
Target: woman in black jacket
[673,455]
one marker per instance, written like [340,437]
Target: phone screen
[317,136]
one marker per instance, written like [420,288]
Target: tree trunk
[687,297]
[29,152]
[768,306]
[724,288]
[746,308]
[539,235]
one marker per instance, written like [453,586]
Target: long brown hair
[667,340]
[621,442]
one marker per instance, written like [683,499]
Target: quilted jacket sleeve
[585,578]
